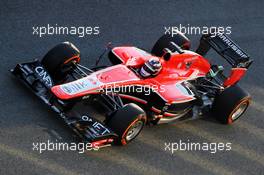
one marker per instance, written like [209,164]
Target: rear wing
[225,47]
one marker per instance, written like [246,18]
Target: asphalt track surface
[24,119]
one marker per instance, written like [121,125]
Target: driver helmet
[151,67]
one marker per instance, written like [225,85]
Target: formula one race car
[168,84]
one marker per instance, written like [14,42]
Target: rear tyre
[58,61]
[229,105]
[164,42]
[127,123]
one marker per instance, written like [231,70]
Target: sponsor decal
[81,85]
[44,75]
[96,125]
[232,45]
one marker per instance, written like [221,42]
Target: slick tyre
[230,105]
[127,123]
[58,61]
[164,42]
[113,58]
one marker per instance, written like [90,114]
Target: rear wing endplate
[225,47]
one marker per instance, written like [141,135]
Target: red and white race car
[168,84]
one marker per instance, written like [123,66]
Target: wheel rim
[239,111]
[134,130]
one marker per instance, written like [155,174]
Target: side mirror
[166,54]
[176,48]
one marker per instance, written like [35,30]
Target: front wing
[89,129]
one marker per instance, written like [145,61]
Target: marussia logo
[233,46]
[44,75]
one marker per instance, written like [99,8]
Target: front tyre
[230,104]
[127,122]
[58,61]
